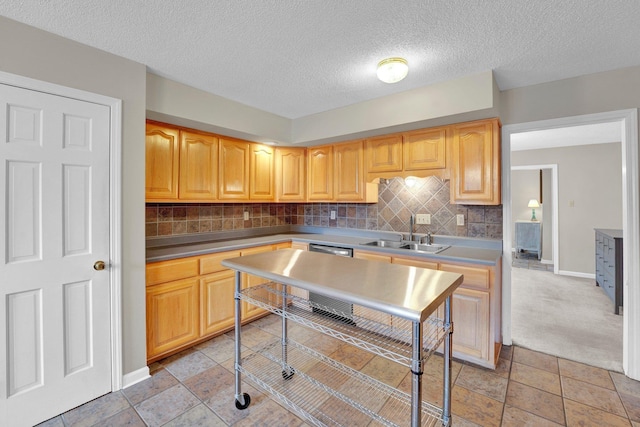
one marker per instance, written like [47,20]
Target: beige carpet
[565,316]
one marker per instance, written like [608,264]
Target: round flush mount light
[392,70]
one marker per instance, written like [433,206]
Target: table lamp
[533,204]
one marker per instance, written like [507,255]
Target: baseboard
[546,261]
[135,377]
[577,274]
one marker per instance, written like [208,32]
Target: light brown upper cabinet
[320,173]
[349,175]
[262,173]
[233,171]
[291,172]
[475,174]
[198,166]
[384,153]
[162,162]
[425,149]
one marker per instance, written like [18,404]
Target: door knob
[99,265]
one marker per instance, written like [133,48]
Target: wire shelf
[382,334]
[327,393]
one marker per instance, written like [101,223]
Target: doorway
[627,120]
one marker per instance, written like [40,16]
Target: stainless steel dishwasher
[335,308]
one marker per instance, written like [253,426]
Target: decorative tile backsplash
[396,202]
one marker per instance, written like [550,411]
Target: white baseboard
[135,377]
[546,261]
[576,274]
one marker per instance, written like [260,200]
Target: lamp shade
[533,203]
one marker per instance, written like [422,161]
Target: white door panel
[55,309]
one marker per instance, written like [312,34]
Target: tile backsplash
[396,202]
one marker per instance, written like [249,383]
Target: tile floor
[529,261]
[196,388]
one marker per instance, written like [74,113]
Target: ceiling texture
[297,58]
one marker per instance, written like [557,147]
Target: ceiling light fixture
[392,70]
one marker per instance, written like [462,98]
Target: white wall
[589,196]
[33,53]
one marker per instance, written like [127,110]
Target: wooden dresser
[609,264]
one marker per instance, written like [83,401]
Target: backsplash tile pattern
[396,203]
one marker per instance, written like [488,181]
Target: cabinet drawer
[415,263]
[473,276]
[213,263]
[166,271]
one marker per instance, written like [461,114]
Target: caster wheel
[247,402]
[287,375]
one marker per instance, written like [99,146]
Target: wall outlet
[423,219]
[460,219]
[246,216]
[333,214]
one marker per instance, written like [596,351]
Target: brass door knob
[99,265]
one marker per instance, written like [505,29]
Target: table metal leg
[416,377]
[242,399]
[448,358]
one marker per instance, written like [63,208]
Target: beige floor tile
[536,359]
[435,365]
[351,356]
[98,409]
[586,373]
[53,422]
[483,381]
[541,403]
[160,381]
[584,415]
[197,416]
[475,407]
[632,405]
[503,368]
[592,395]
[625,384]
[384,370]
[188,363]
[218,349]
[461,422]
[534,377]
[129,418]
[165,406]
[431,388]
[514,417]
[270,414]
[506,352]
[210,383]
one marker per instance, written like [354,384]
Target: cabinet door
[262,173]
[349,171]
[371,256]
[320,173]
[291,174]
[233,169]
[250,311]
[425,149]
[198,166]
[172,315]
[415,263]
[471,322]
[475,175]
[217,304]
[384,154]
[162,162]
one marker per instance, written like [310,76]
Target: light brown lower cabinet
[476,306]
[172,315]
[190,300]
[215,315]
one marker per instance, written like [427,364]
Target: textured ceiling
[295,58]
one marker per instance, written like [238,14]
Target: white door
[55,335]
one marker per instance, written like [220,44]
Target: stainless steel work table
[392,316]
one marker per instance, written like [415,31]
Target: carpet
[564,316]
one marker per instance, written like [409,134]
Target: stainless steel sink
[411,246]
[396,244]
[419,247]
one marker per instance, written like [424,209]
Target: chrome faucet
[411,220]
[429,238]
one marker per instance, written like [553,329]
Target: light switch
[333,214]
[246,216]
[460,219]
[423,219]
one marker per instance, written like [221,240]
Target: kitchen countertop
[477,251]
[415,294]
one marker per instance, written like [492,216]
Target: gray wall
[589,196]
[40,55]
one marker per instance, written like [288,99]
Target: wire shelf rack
[382,334]
[324,392]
